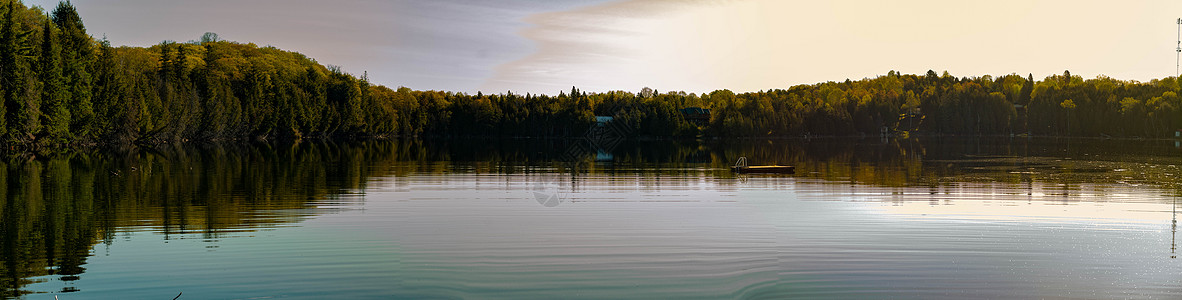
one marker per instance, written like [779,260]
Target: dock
[742,167]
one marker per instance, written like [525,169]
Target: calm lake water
[919,218]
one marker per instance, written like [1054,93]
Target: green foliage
[109,90]
[54,94]
[19,108]
[77,57]
[64,87]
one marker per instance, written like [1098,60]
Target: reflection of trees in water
[56,208]
[927,161]
[937,162]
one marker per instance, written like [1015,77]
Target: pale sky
[541,46]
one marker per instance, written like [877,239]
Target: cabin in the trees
[696,115]
[601,121]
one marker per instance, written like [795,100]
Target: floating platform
[742,167]
[765,169]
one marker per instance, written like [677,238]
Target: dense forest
[61,86]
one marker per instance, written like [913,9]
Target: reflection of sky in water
[627,236]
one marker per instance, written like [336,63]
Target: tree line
[62,86]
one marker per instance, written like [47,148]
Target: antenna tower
[1178,50]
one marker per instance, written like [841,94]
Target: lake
[915,218]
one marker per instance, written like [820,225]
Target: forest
[63,87]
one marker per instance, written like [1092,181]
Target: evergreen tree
[54,95]
[1027,88]
[158,116]
[9,79]
[368,108]
[108,91]
[180,75]
[164,62]
[19,110]
[77,53]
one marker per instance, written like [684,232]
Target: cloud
[752,45]
[594,48]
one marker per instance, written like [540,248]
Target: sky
[546,46]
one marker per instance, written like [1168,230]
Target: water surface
[862,218]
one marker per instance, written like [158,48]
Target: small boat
[742,167]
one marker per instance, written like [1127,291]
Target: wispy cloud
[591,47]
[753,45]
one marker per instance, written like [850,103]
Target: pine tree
[369,110]
[77,55]
[1027,88]
[158,114]
[54,95]
[180,76]
[108,89]
[8,75]
[19,111]
[165,71]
